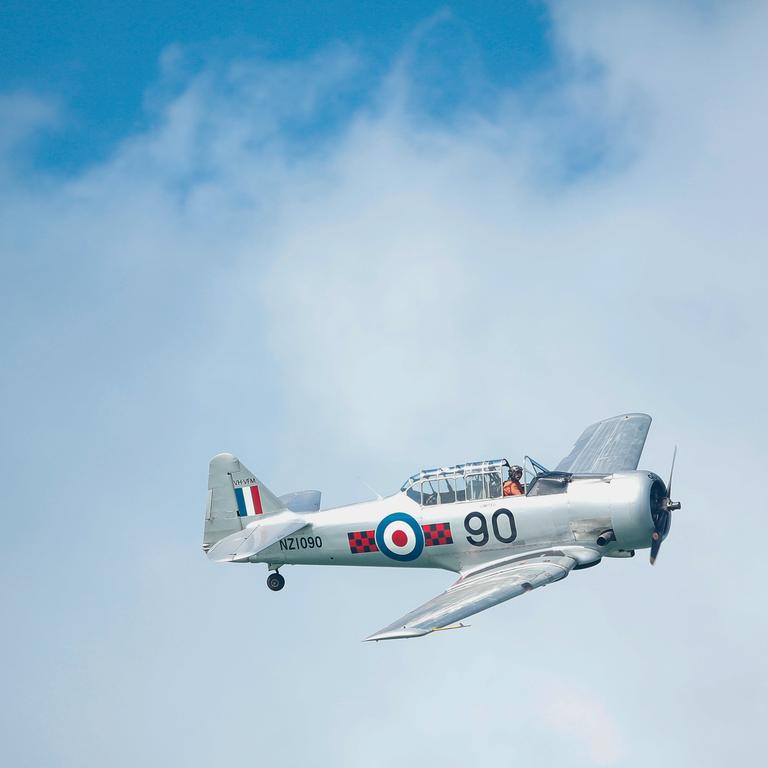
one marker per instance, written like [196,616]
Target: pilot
[512,486]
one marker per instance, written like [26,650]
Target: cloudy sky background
[388,247]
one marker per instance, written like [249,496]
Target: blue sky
[98,60]
[346,246]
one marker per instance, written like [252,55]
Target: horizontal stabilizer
[255,537]
[302,501]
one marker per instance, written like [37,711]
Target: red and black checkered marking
[362,541]
[436,534]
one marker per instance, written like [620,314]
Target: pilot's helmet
[515,472]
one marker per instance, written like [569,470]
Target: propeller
[661,511]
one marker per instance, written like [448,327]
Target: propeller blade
[662,518]
[671,470]
[655,547]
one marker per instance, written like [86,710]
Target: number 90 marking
[502,523]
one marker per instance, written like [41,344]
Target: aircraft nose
[662,507]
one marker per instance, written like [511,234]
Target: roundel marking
[400,537]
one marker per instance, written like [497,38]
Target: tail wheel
[275,582]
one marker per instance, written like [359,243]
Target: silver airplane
[503,529]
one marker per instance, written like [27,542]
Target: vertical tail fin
[235,498]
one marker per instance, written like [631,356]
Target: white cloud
[434,280]
[579,715]
[336,290]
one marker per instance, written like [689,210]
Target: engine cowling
[635,497]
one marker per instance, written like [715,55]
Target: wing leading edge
[477,592]
[612,445]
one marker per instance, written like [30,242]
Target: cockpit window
[549,484]
[461,488]
[485,486]
[463,482]
[446,491]
[475,487]
[414,492]
[494,485]
[428,493]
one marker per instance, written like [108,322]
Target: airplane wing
[258,535]
[608,446]
[475,593]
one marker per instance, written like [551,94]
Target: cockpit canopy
[464,482]
[481,480]
[549,483]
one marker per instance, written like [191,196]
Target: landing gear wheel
[275,582]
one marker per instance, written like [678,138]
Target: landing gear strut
[275,581]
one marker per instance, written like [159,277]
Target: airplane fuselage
[462,536]
[477,519]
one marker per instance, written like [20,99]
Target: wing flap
[475,593]
[611,445]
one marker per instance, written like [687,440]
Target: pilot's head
[515,472]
